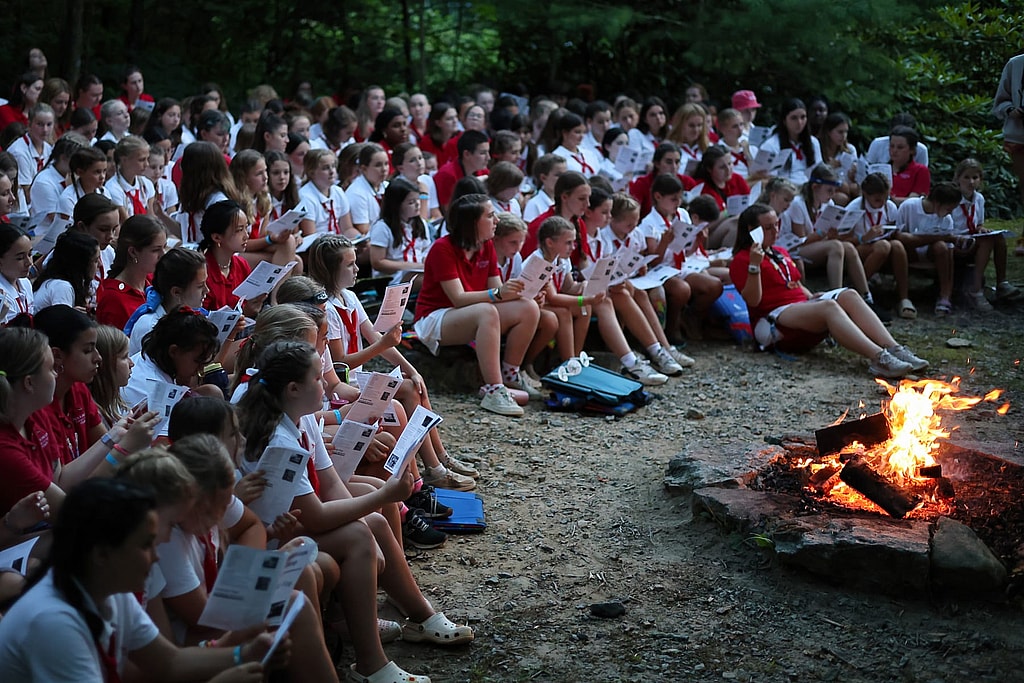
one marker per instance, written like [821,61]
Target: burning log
[822,476]
[930,472]
[859,475]
[871,430]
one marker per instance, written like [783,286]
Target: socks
[653,349]
[417,485]
[438,471]
[629,360]
[509,373]
[491,388]
[867,297]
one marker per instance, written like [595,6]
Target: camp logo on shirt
[483,264]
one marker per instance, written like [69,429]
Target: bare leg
[677,296]
[611,330]
[397,578]
[943,257]
[627,310]
[478,322]
[874,256]
[823,315]
[644,302]
[865,319]
[900,268]
[828,253]
[519,324]
[548,326]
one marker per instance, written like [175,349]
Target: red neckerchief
[22,302]
[797,152]
[738,157]
[409,253]
[506,270]
[209,560]
[874,220]
[138,208]
[597,248]
[350,319]
[581,159]
[108,660]
[254,232]
[504,206]
[971,228]
[314,478]
[332,218]
[557,278]
[582,243]
[40,161]
[193,232]
[690,152]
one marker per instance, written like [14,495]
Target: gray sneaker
[680,357]
[458,466]
[888,365]
[643,372]
[664,363]
[522,384]
[448,480]
[907,356]
[501,402]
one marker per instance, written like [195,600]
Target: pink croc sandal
[438,630]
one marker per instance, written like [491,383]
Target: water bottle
[214,374]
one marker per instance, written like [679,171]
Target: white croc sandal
[390,673]
[438,630]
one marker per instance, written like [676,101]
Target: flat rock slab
[961,562]
[730,465]
[876,554]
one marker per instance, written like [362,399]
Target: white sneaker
[907,356]
[643,372]
[531,377]
[522,384]
[501,402]
[680,357]
[1004,290]
[664,363]
[978,302]
[888,365]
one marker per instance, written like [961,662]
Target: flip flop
[907,309]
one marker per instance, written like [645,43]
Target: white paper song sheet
[294,608]
[163,396]
[225,320]
[16,557]
[420,423]
[629,262]
[843,220]
[253,586]
[600,276]
[349,446]
[683,237]
[654,277]
[287,222]
[282,467]
[735,204]
[388,417]
[692,193]
[757,236]
[535,274]
[263,278]
[46,234]
[393,307]
[374,399]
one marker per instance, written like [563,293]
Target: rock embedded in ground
[727,465]
[961,563]
[608,610]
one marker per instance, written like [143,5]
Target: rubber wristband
[337,415]
[490,295]
[113,461]
[108,440]
[269,239]
[118,448]
[237,654]
[579,300]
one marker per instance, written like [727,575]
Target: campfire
[886,461]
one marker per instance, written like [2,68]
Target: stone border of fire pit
[893,556]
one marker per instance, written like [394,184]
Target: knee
[489,316]
[836,250]
[882,247]
[849,250]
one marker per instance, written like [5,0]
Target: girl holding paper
[837,152]
[277,410]
[332,263]
[225,231]
[249,170]
[793,136]
[667,158]
[716,172]
[399,241]
[81,617]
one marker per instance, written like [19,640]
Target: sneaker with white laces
[888,365]
[680,357]
[521,383]
[458,466]
[664,363]
[417,532]
[907,356]
[978,302]
[1004,290]
[448,480]
[643,372]
[425,500]
[501,402]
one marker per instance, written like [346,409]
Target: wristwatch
[753,269]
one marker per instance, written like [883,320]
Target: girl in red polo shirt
[909,178]
[463,299]
[225,230]
[720,183]
[390,129]
[140,245]
[667,159]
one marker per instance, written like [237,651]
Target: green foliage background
[870,58]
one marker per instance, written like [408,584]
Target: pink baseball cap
[745,99]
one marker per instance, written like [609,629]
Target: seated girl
[925,227]
[720,182]
[325,203]
[689,131]
[793,136]
[15,266]
[113,374]
[178,280]
[249,170]
[399,240]
[666,162]
[88,171]
[837,152]
[733,139]
[140,244]
[788,317]
[69,276]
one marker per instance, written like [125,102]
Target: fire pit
[884,501]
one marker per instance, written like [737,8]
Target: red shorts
[797,341]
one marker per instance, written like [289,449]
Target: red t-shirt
[9,114]
[445,262]
[774,277]
[641,189]
[116,301]
[426,144]
[75,418]
[735,185]
[581,249]
[445,179]
[221,287]
[915,178]
[144,97]
[27,464]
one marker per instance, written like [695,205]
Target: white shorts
[428,329]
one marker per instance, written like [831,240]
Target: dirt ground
[578,514]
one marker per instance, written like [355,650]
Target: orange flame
[1003,409]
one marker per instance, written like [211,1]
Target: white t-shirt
[607,242]
[324,211]
[511,268]
[46,190]
[53,292]
[872,218]
[973,209]
[43,639]
[143,326]
[797,168]
[364,200]
[167,193]
[349,307]
[800,214]
[191,223]
[288,435]
[410,250]
[740,161]
[512,206]
[30,161]
[70,196]
[654,225]
[584,160]
[911,217]
[17,297]
[540,203]
[120,191]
